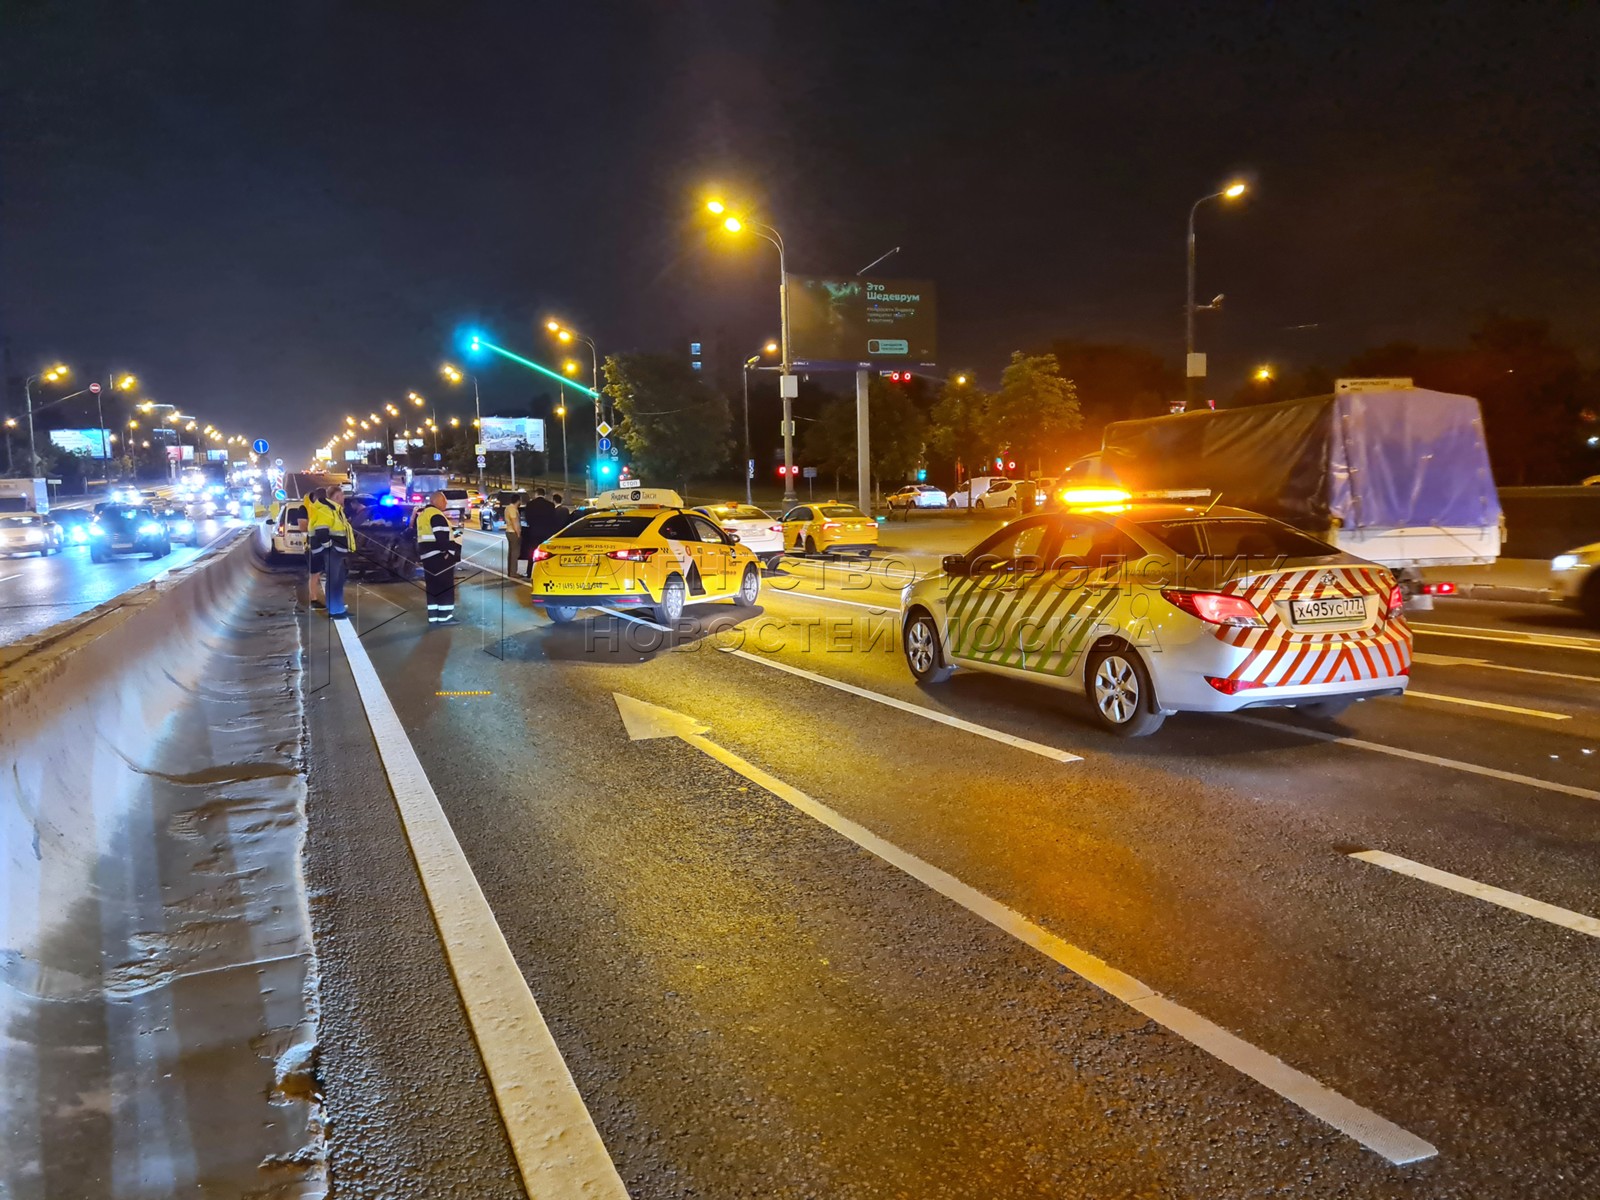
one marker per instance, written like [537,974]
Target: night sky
[277,213]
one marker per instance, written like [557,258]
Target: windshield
[606,526]
[1237,537]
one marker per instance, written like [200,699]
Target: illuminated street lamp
[749,463]
[1263,373]
[455,375]
[1232,192]
[787,387]
[53,374]
[565,334]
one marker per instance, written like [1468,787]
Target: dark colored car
[125,530]
[75,524]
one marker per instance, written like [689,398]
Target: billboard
[216,456]
[81,441]
[508,433]
[853,322]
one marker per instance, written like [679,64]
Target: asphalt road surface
[37,592]
[798,926]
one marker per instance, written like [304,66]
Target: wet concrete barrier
[157,980]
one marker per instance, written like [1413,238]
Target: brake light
[1215,608]
[1232,687]
[539,554]
[1397,601]
[827,525]
[775,528]
[730,529]
[1438,589]
[631,554]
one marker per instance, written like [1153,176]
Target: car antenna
[1212,505]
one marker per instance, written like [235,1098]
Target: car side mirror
[955,564]
[733,539]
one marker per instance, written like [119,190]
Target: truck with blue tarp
[1394,473]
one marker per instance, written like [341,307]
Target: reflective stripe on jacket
[433,532]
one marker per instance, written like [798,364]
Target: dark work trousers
[439,580]
[338,572]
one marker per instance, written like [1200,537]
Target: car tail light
[827,525]
[1215,608]
[1232,687]
[775,528]
[539,554]
[730,529]
[1439,589]
[632,554]
[1397,601]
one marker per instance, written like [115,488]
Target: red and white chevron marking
[1280,656]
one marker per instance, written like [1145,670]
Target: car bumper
[1356,668]
[848,547]
[588,599]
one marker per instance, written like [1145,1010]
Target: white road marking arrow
[644,721]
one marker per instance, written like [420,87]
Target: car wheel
[98,556]
[978,504]
[771,561]
[811,547]
[1120,693]
[670,610]
[750,585]
[1011,503]
[561,613]
[924,655]
[1326,710]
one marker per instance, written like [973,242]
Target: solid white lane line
[558,1150]
[1376,1133]
[1564,917]
[1450,660]
[1512,637]
[1545,785]
[928,714]
[1510,708]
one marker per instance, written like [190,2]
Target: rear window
[606,525]
[1229,537]
[842,510]
[455,494]
[29,520]
[737,512]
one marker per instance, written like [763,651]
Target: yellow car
[658,558]
[829,528]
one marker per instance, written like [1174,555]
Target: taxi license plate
[579,560]
[1333,608]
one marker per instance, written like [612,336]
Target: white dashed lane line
[1564,917]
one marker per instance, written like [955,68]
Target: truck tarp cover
[1373,460]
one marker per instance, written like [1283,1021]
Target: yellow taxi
[829,528]
[642,557]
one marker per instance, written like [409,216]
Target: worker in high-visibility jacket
[328,531]
[437,551]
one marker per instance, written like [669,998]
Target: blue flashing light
[387,501]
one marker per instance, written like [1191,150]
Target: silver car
[1155,609]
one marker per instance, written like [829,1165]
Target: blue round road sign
[260,446]
[605,444]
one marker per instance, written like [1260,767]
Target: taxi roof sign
[631,497]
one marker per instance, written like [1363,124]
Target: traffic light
[782,471]
[604,469]
[922,474]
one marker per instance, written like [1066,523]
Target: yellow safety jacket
[326,525]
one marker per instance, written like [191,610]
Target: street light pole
[749,495]
[1232,192]
[561,411]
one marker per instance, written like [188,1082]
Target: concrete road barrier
[156,972]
